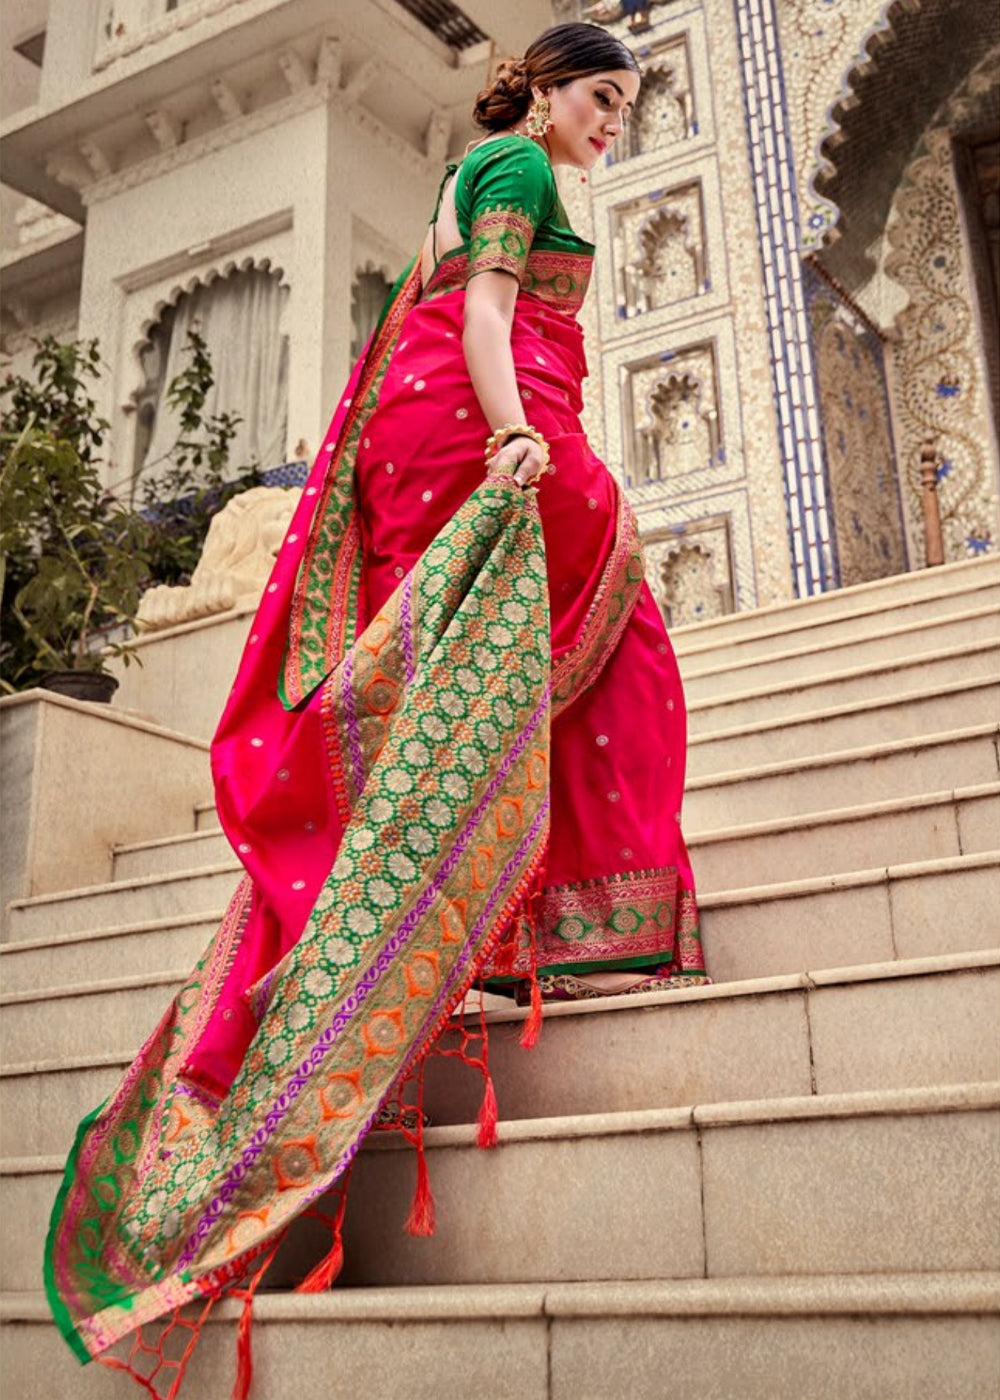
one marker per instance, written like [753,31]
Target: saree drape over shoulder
[454,751]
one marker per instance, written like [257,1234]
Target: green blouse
[512,220]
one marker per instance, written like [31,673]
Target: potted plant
[74,556]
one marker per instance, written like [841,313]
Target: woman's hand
[520,457]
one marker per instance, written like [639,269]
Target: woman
[454,752]
[495,338]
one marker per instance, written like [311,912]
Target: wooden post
[933,539]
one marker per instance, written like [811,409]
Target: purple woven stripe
[458,973]
[263,996]
[406,617]
[366,985]
[351,725]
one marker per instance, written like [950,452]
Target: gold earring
[538,120]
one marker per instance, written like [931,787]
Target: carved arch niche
[665,111]
[675,418]
[660,253]
[690,570]
[904,253]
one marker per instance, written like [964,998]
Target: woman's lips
[597,145]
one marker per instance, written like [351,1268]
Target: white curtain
[239,318]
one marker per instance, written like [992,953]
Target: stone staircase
[784,1186]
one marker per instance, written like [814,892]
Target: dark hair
[557,57]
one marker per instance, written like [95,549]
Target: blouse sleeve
[512,190]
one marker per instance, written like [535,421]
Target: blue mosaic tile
[814,561]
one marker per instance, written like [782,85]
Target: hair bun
[512,75]
[507,97]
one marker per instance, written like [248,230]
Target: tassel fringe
[323,1274]
[320,1278]
[488,1116]
[244,1353]
[244,1348]
[421,1219]
[533,1024]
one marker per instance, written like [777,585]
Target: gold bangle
[511,430]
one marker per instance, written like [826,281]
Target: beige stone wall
[941,378]
[676,327]
[182,220]
[129,776]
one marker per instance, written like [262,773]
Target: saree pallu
[454,751]
[251,1098]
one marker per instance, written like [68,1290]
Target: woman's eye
[604,99]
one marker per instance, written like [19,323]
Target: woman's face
[588,116]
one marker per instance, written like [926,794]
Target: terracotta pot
[81,685]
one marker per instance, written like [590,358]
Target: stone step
[909,828]
[185,894]
[864,916]
[128,950]
[961,705]
[923,710]
[170,854]
[892,1181]
[714,674]
[858,600]
[807,628]
[927,827]
[875,773]
[844,920]
[930,763]
[115,1014]
[712,710]
[928,1021]
[929,1335]
[882,719]
[774,1186]
[206,818]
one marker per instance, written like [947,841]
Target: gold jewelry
[538,119]
[512,430]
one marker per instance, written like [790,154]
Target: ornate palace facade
[796,282]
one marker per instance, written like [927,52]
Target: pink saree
[453,754]
[618,890]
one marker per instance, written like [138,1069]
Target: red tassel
[488,1116]
[320,1278]
[533,1025]
[322,1275]
[244,1353]
[421,1218]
